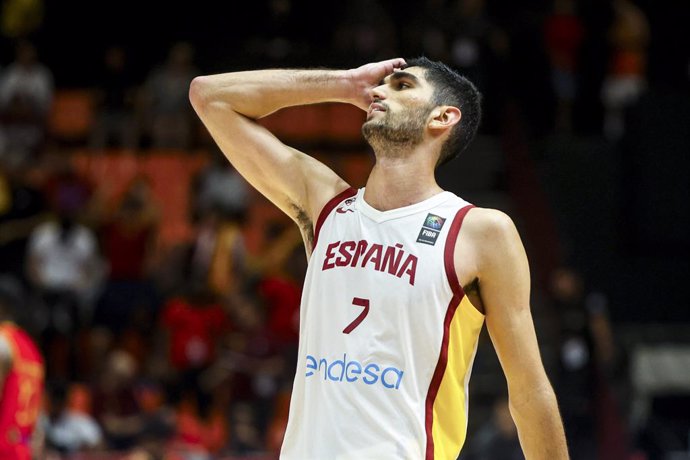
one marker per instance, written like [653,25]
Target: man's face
[399,111]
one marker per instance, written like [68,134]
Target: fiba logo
[434,222]
[430,229]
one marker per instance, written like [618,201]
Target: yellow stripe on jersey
[450,406]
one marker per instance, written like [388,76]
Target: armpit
[472,287]
[305,224]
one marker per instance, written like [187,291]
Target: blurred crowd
[566,65]
[191,348]
[193,343]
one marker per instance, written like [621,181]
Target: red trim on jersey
[335,201]
[458,294]
[449,251]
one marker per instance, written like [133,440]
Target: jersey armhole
[449,254]
[328,208]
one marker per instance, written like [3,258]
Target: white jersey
[387,336]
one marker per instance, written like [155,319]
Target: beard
[395,132]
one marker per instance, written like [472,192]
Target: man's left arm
[504,286]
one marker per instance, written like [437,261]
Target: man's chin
[370,127]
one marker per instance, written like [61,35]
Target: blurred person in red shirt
[21,381]
[564,33]
[626,79]
[128,238]
[194,324]
[279,271]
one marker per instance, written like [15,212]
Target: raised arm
[504,286]
[228,104]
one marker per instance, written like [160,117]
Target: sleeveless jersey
[387,335]
[22,392]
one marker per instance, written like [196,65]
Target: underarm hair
[305,224]
[472,287]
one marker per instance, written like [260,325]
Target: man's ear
[444,117]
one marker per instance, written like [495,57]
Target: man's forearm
[539,425]
[256,94]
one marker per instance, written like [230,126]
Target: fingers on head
[393,64]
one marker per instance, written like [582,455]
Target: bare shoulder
[489,222]
[489,230]
[488,240]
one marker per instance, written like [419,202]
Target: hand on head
[368,76]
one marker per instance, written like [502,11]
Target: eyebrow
[402,75]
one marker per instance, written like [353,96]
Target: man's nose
[378,93]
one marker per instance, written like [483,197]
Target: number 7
[364,303]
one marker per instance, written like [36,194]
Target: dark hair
[451,88]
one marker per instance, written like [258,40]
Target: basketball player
[402,275]
[21,384]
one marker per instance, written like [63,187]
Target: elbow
[199,91]
[540,397]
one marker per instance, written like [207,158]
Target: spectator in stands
[282,298]
[479,48]
[22,208]
[219,187]
[194,325]
[65,186]
[586,346]
[115,124]
[563,34]
[70,428]
[469,34]
[65,269]
[497,439]
[274,38]
[167,113]
[255,359]
[115,402]
[246,435]
[159,419]
[626,79]
[275,432]
[426,29]
[215,257]
[280,271]
[26,94]
[198,436]
[128,239]
[366,31]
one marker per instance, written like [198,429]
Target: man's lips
[376,107]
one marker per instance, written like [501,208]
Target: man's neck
[400,181]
